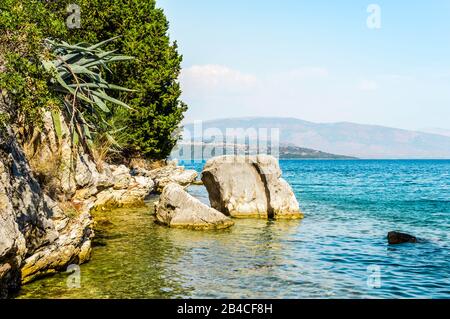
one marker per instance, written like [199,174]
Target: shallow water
[338,251]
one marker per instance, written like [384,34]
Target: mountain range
[344,138]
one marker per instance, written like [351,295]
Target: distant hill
[295,152]
[436,130]
[199,150]
[350,139]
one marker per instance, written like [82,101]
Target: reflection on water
[349,208]
[135,258]
[129,260]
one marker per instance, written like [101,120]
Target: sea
[339,249]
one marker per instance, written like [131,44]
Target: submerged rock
[249,186]
[395,238]
[178,209]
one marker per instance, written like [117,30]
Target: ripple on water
[333,253]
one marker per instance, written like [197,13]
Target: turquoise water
[350,206]
[338,251]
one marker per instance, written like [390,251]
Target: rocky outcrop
[36,237]
[249,187]
[72,246]
[127,191]
[39,235]
[80,179]
[107,188]
[170,173]
[177,209]
[395,238]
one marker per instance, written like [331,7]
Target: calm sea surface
[338,251]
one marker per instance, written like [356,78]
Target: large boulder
[178,209]
[249,187]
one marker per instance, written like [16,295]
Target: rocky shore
[40,235]
[47,226]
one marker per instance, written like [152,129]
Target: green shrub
[23,26]
[78,75]
[151,128]
[157,110]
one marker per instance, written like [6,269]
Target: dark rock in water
[395,238]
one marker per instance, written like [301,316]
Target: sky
[370,62]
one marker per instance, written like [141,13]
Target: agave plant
[77,73]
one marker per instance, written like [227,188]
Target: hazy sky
[315,60]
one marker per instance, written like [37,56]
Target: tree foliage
[152,124]
[150,128]
[23,26]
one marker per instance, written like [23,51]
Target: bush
[23,26]
[152,125]
[77,74]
